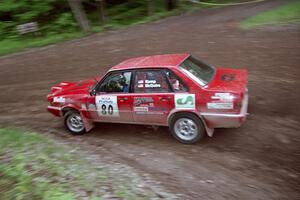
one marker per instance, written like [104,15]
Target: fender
[88,124]
[209,131]
[69,105]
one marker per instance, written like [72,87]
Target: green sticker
[184,101]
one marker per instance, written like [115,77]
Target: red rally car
[174,90]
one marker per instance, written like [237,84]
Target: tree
[79,14]
[171,4]
[101,10]
[150,8]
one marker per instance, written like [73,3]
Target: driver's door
[112,100]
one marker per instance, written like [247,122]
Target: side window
[176,82]
[116,83]
[150,81]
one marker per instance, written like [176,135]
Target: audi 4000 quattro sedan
[174,90]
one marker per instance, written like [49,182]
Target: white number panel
[107,105]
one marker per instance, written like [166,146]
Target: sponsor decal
[185,101]
[140,84]
[223,101]
[140,109]
[222,105]
[150,110]
[107,105]
[143,100]
[226,97]
[59,100]
[145,105]
[157,109]
[227,77]
[148,84]
[83,106]
[151,84]
[91,107]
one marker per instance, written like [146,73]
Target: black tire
[67,119]
[194,124]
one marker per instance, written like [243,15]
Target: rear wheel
[74,122]
[187,128]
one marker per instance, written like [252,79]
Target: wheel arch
[209,131]
[67,108]
[87,123]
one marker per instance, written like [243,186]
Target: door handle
[165,98]
[123,98]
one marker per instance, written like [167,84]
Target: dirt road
[260,160]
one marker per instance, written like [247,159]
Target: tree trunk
[150,7]
[101,10]
[80,15]
[171,4]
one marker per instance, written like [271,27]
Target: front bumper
[220,120]
[55,110]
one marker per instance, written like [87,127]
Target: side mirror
[93,92]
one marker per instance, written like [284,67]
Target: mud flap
[88,125]
[209,131]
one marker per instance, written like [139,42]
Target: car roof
[155,61]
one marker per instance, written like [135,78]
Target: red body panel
[230,80]
[152,61]
[221,103]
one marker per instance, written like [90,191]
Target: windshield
[197,70]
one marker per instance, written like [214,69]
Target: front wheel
[74,123]
[187,128]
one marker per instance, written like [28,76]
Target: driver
[125,87]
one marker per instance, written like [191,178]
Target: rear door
[153,97]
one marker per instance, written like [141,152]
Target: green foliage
[45,13]
[20,177]
[56,22]
[135,12]
[284,13]
[32,166]
[29,167]
[64,22]
[15,44]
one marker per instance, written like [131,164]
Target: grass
[12,45]
[26,167]
[33,166]
[285,13]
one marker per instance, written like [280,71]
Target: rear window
[197,70]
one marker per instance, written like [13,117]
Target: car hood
[231,80]
[79,87]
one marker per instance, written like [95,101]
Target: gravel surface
[260,160]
